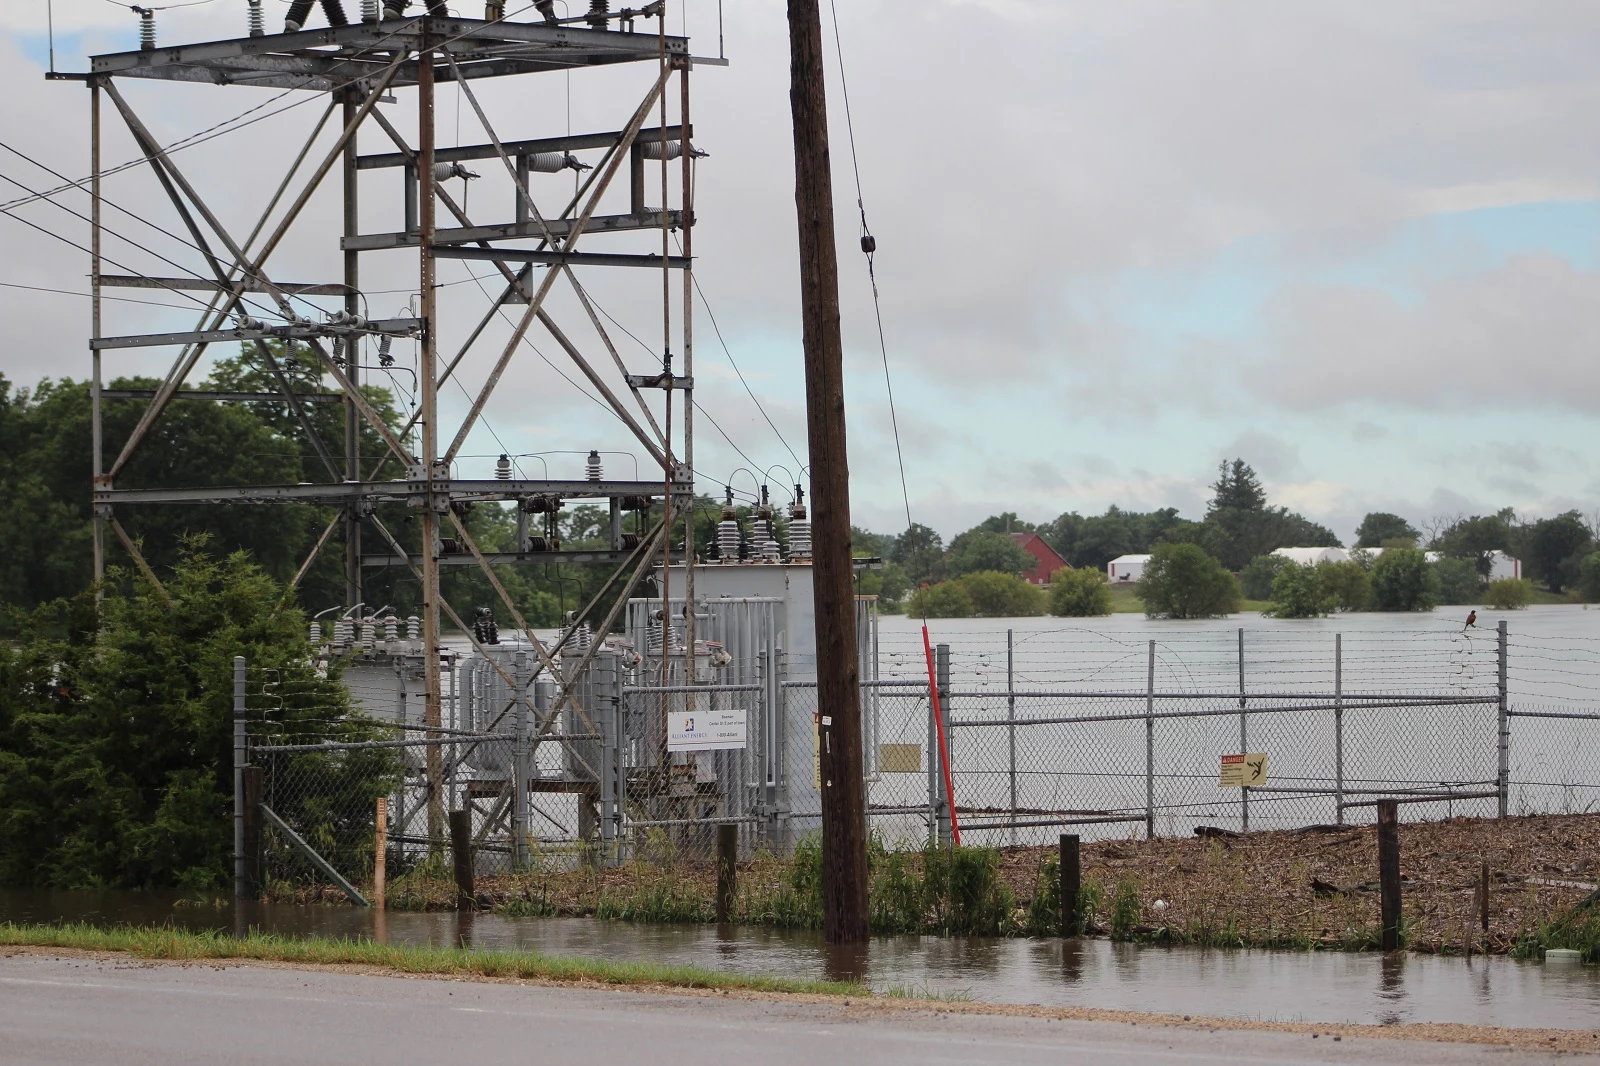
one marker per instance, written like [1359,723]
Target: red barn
[1047,561]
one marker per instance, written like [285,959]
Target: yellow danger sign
[1248,770]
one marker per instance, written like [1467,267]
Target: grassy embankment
[1312,889]
[168,943]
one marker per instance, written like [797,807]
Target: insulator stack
[413,628]
[502,468]
[591,466]
[766,538]
[369,10]
[674,641]
[553,162]
[598,10]
[147,29]
[258,26]
[369,634]
[391,629]
[799,528]
[344,633]
[652,149]
[728,537]
[314,633]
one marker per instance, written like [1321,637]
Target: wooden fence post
[380,854]
[461,846]
[1389,871]
[1071,884]
[727,868]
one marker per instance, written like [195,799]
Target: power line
[90,295]
[697,405]
[726,351]
[216,130]
[869,246]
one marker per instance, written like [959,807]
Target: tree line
[978,572]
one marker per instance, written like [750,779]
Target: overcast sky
[1353,244]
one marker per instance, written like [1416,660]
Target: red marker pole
[944,747]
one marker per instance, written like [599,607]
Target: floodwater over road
[1280,986]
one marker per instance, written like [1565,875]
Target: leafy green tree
[1479,537]
[1379,527]
[1402,580]
[116,725]
[920,551]
[1458,581]
[888,584]
[1347,583]
[1081,593]
[977,552]
[999,595]
[1298,592]
[1551,543]
[1589,577]
[1256,578]
[947,599]
[1092,542]
[1182,581]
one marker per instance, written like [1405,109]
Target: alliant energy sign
[703,730]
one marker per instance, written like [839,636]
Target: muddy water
[1329,987]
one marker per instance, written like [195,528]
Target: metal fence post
[941,672]
[1338,726]
[1503,777]
[519,763]
[1150,747]
[1011,725]
[240,757]
[1244,741]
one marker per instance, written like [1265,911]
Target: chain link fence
[1111,737]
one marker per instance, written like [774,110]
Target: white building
[1126,568]
[1501,565]
[1313,556]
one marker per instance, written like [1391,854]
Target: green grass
[168,943]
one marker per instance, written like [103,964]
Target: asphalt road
[80,1010]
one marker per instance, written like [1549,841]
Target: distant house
[1046,560]
[1501,565]
[1313,556]
[1126,568]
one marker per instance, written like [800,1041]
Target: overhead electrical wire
[216,130]
[697,405]
[869,246]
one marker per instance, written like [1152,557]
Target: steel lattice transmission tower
[533,248]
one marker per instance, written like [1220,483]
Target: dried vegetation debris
[1315,887]
[1319,886]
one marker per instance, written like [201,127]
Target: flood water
[1280,986]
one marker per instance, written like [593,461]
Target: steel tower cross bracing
[534,251]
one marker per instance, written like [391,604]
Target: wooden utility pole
[844,821]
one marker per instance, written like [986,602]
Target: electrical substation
[594,741]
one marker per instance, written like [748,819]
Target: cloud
[1515,335]
[1054,186]
[1273,457]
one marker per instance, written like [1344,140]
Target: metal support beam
[533,146]
[290,288]
[222,397]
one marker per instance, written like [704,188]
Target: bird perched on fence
[1472,620]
